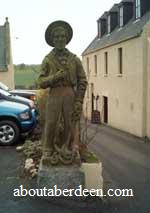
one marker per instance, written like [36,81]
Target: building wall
[124,92]
[148,92]
[146,80]
[7,75]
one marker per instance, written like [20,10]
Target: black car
[23,93]
[5,95]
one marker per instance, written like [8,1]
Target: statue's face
[59,38]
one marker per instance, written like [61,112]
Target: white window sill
[121,27]
[105,75]
[137,19]
[119,75]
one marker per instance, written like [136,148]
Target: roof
[132,29]
[128,1]
[114,8]
[104,16]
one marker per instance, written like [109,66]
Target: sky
[29,19]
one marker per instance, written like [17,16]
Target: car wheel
[9,132]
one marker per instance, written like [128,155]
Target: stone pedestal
[93,175]
[89,175]
[65,177]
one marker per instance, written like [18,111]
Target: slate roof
[127,1]
[104,16]
[132,29]
[114,8]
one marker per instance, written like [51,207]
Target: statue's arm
[81,81]
[81,88]
[45,79]
[49,74]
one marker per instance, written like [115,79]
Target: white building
[117,63]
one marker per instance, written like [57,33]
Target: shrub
[42,96]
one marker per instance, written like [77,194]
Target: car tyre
[9,132]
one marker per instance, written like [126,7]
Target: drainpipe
[146,54]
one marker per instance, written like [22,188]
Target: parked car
[24,93]
[5,95]
[15,119]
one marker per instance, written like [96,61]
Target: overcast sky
[29,18]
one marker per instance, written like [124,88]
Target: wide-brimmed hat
[52,26]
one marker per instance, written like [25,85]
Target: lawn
[26,77]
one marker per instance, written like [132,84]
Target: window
[87,91]
[106,63]
[109,29]
[92,88]
[87,66]
[121,16]
[92,96]
[95,64]
[99,29]
[138,9]
[120,61]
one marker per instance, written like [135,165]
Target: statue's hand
[59,75]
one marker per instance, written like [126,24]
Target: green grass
[25,77]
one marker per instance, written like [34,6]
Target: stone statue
[62,72]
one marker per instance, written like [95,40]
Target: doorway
[105,101]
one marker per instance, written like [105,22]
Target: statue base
[64,177]
[87,176]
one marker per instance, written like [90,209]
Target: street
[126,164]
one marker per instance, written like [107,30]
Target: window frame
[95,65]
[120,61]
[99,29]
[137,9]
[121,21]
[88,65]
[106,63]
[109,23]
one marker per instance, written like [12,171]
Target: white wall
[125,93]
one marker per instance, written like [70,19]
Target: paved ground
[126,164]
[10,179]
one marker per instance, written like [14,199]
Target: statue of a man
[62,72]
